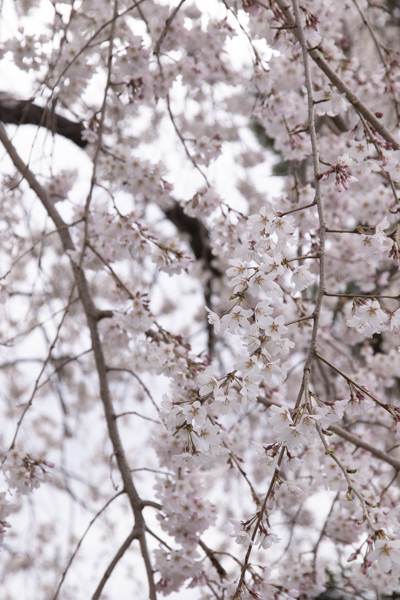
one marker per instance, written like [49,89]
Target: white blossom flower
[359,326]
[241,536]
[290,487]
[268,458]
[238,316]
[370,165]
[262,310]
[291,437]
[210,435]
[281,419]
[301,277]
[274,327]
[265,540]
[387,553]
[238,268]
[190,461]
[260,221]
[394,321]
[225,402]
[213,319]
[250,386]
[275,372]
[373,315]
[208,382]
[195,414]
[307,426]
[359,150]
[280,346]
[393,166]
[282,227]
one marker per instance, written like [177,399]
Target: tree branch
[319,59]
[132,536]
[24,112]
[81,540]
[90,312]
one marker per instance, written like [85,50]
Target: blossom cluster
[25,472]
[278,392]
[369,318]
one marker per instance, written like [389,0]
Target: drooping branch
[132,536]
[92,321]
[81,540]
[361,443]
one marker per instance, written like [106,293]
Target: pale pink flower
[387,553]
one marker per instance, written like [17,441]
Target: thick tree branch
[24,112]
[215,562]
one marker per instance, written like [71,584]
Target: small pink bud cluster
[343,180]
[311,19]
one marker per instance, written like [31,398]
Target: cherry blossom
[209,384]
[387,553]
[181,283]
[301,277]
[274,327]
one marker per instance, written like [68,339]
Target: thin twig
[45,363]
[164,32]
[182,139]
[133,412]
[381,56]
[362,443]
[81,540]
[349,380]
[134,535]
[349,482]
[99,133]
[35,244]
[288,260]
[350,437]
[90,40]
[125,370]
[370,296]
[299,320]
[289,212]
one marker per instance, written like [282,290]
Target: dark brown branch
[215,562]
[199,238]
[24,112]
